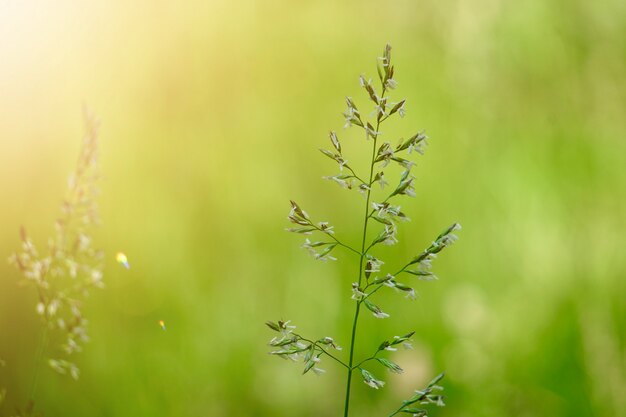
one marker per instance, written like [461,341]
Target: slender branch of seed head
[380,285]
[371,293]
[366,360]
[401,270]
[397,411]
[348,247]
[340,243]
[354,174]
[385,118]
[369,247]
[322,349]
[374,210]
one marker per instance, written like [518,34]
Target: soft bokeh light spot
[122,260]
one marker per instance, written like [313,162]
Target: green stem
[362,258]
[41,348]
[350,369]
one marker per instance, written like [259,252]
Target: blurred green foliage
[212,115]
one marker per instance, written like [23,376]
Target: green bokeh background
[212,113]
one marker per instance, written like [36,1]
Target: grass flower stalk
[380,211]
[66,272]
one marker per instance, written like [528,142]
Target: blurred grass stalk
[72,267]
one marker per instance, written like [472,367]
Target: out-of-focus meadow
[212,113]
